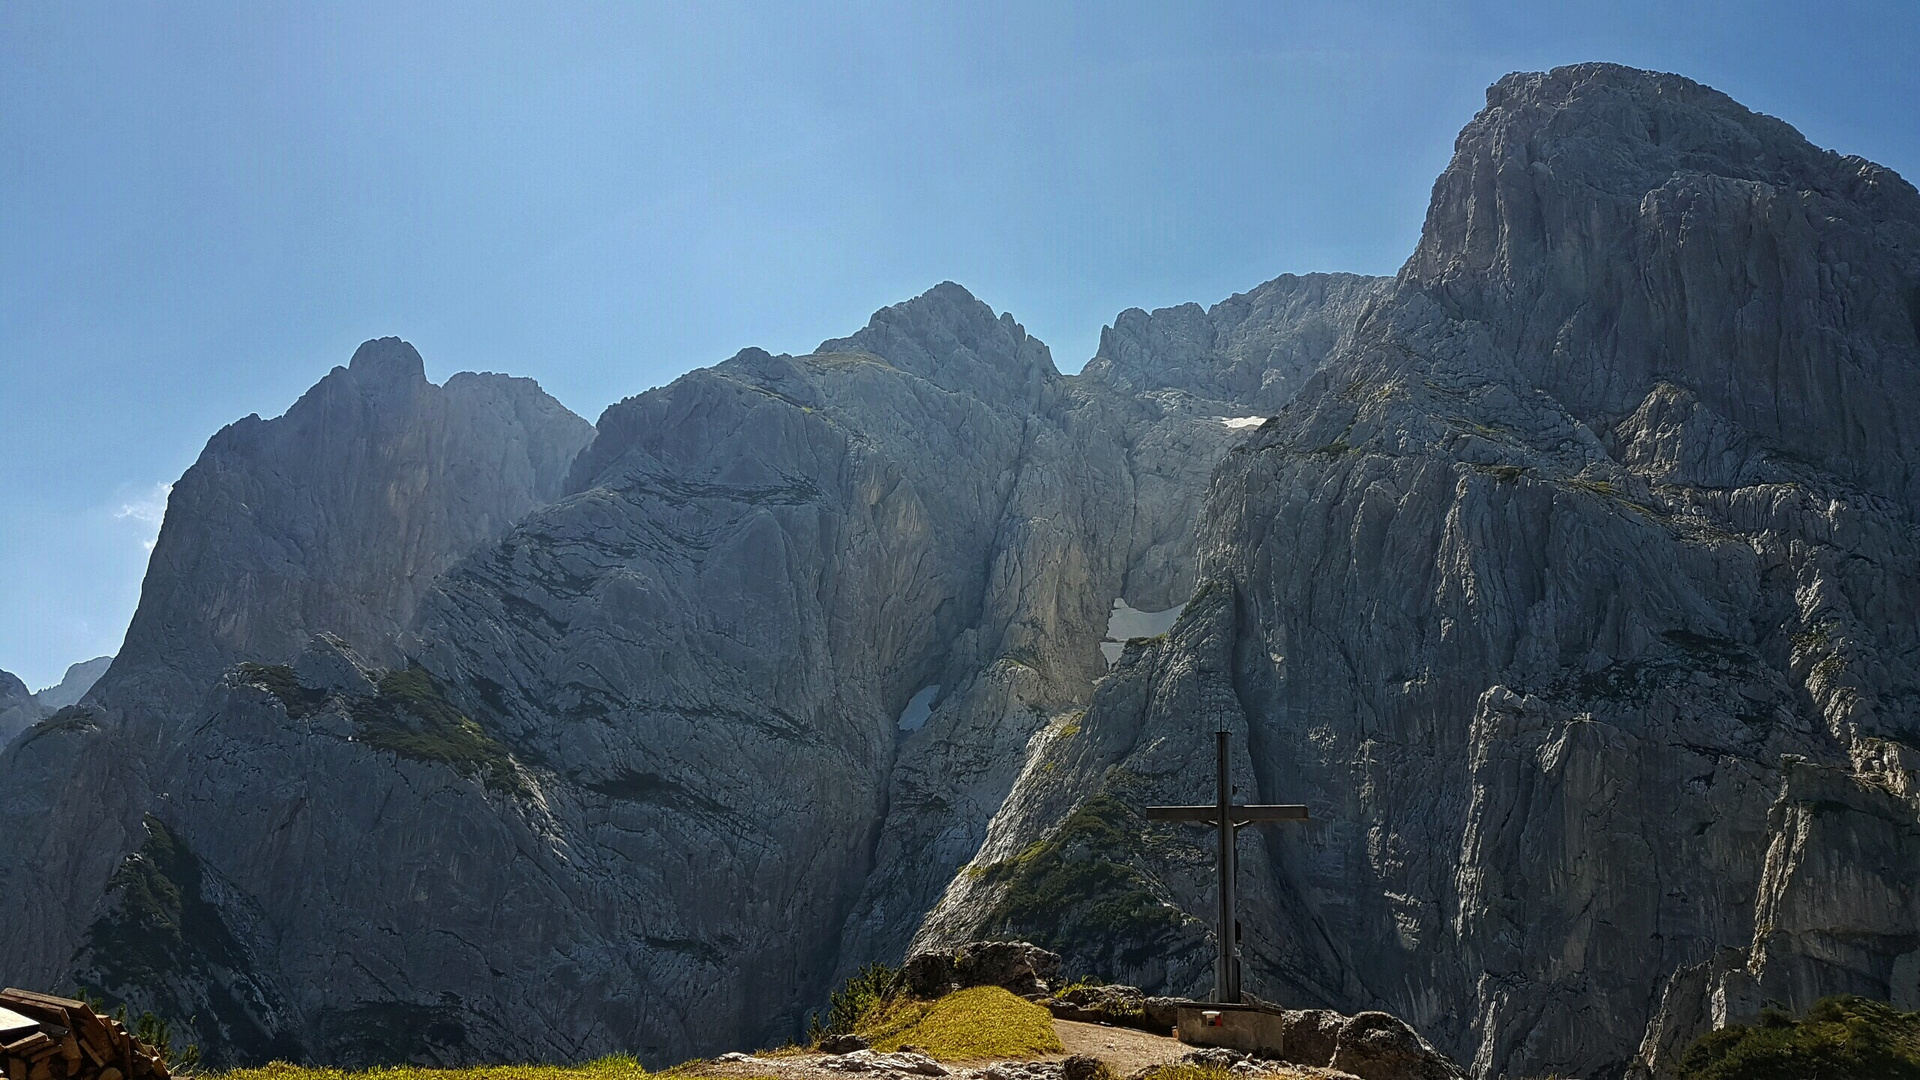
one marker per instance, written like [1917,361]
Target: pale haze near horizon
[208,206]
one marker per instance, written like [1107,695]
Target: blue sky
[204,206]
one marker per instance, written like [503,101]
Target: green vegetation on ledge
[1841,1037]
[411,717]
[1081,874]
[159,932]
[280,681]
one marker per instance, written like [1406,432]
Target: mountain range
[1571,577]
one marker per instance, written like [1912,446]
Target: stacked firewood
[67,1040]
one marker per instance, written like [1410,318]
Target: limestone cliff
[647,746]
[335,517]
[1578,596]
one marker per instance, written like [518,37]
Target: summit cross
[1226,820]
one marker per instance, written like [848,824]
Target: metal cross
[1226,819]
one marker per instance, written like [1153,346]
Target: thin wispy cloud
[149,512]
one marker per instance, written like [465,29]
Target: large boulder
[1111,1004]
[1381,1046]
[1022,967]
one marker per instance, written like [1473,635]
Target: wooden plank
[27,1046]
[14,993]
[1183,813]
[44,1014]
[1269,812]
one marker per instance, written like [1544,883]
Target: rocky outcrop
[1016,966]
[1555,593]
[18,709]
[74,685]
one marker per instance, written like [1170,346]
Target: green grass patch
[411,717]
[1848,1037]
[617,1067]
[967,1025]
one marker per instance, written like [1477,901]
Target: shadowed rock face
[335,517]
[18,710]
[1572,582]
[1577,594]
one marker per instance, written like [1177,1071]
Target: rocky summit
[1571,577]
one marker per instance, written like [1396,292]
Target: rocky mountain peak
[388,359]
[1611,230]
[335,516]
[1595,139]
[949,337]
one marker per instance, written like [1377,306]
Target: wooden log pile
[67,1040]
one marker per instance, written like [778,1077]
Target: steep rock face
[335,517]
[1578,596]
[18,709]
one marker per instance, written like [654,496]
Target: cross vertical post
[1226,818]
[1226,970]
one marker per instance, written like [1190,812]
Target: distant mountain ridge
[1572,576]
[74,685]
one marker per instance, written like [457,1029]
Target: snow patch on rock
[919,707]
[1128,622]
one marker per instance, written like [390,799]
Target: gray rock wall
[18,709]
[1553,593]
[335,517]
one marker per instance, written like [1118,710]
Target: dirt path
[1123,1049]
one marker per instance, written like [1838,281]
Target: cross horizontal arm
[1261,812]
